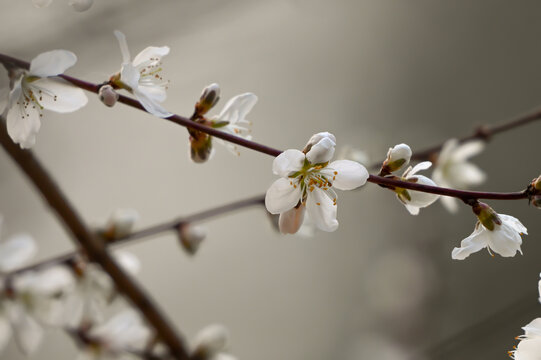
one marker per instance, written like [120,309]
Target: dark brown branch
[91,244]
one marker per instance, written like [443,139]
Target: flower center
[311,177]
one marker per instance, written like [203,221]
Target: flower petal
[288,162]
[52,63]
[467,150]
[322,151]
[27,332]
[130,76]
[419,167]
[322,210]
[349,174]
[16,251]
[464,174]
[473,243]
[123,46]
[81,5]
[150,105]
[290,221]
[533,328]
[58,95]
[282,196]
[23,124]
[236,109]
[128,261]
[422,199]
[514,223]
[505,240]
[5,332]
[450,203]
[151,52]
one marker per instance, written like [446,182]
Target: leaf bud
[200,147]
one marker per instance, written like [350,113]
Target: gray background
[375,73]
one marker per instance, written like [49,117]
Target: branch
[90,243]
[173,225]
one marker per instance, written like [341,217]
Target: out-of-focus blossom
[191,236]
[81,5]
[120,223]
[307,180]
[211,343]
[95,290]
[496,232]
[142,76]
[453,170]
[35,90]
[415,200]
[122,334]
[350,153]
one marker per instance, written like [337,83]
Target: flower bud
[120,223]
[209,98]
[200,147]
[191,236]
[397,157]
[81,5]
[536,183]
[108,95]
[210,340]
[486,215]
[317,138]
[290,221]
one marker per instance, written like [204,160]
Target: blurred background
[374,73]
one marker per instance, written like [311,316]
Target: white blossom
[307,181]
[95,290]
[120,223]
[35,90]
[453,170]
[191,236]
[529,347]
[123,333]
[415,200]
[232,119]
[505,239]
[397,157]
[211,343]
[142,76]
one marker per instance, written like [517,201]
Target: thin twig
[90,243]
[167,226]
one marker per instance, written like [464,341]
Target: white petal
[224,356]
[422,199]
[15,94]
[350,174]
[464,174]
[236,109]
[322,151]
[150,105]
[81,5]
[288,162]
[446,152]
[413,210]
[58,95]
[16,251]
[322,211]
[27,332]
[290,221]
[504,240]
[529,349]
[123,46]
[150,52]
[5,332]
[124,330]
[213,338]
[121,222]
[320,136]
[467,150]
[41,3]
[130,76]
[398,152]
[533,328]
[128,261]
[514,223]
[420,167]
[473,243]
[282,196]
[52,63]
[23,125]
[450,204]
